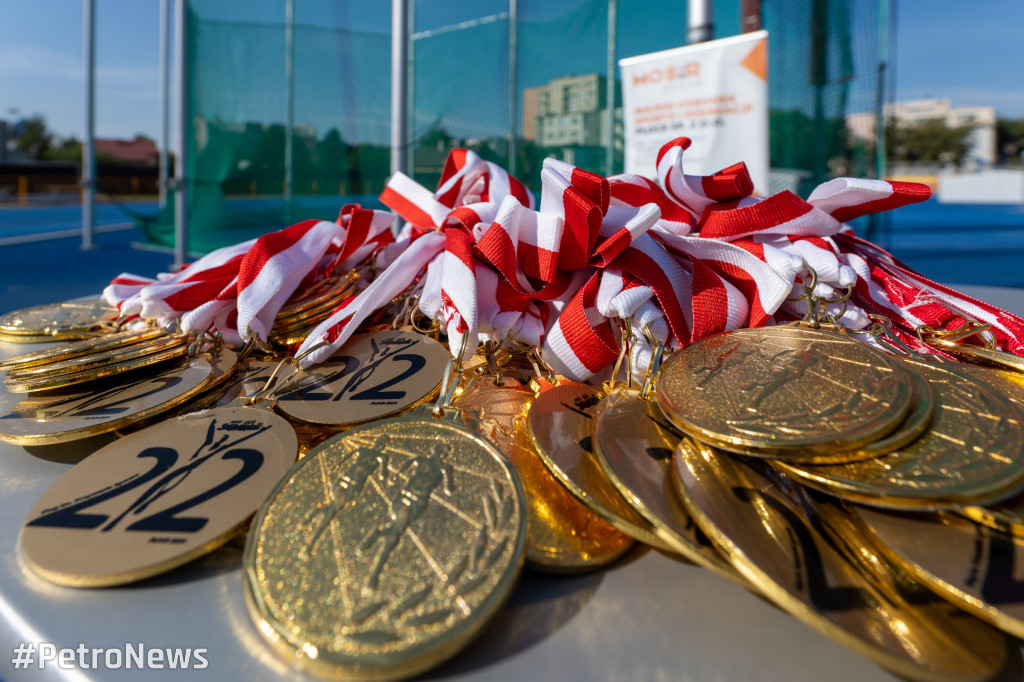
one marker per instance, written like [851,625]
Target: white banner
[715,93]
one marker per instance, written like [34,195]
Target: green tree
[32,136]
[1010,138]
[68,149]
[331,153]
[927,140]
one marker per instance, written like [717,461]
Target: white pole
[513,81]
[289,125]
[609,96]
[181,162]
[699,24]
[399,83]
[165,101]
[88,144]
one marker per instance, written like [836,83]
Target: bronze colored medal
[157,498]
[68,320]
[805,553]
[563,535]
[386,549]
[65,415]
[784,392]
[971,453]
[633,444]
[75,349]
[976,567]
[559,424]
[372,376]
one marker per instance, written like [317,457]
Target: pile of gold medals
[868,491]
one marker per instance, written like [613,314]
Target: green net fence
[494,76]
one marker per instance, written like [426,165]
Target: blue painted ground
[19,221]
[960,244]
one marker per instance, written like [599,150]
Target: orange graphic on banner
[757,60]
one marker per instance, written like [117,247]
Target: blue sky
[942,51]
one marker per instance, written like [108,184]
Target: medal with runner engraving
[69,414]
[75,349]
[58,321]
[559,424]
[387,548]
[805,554]
[633,444]
[157,498]
[372,376]
[563,535]
[971,453]
[976,567]
[784,392]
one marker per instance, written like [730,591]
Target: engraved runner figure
[734,355]
[424,475]
[789,365]
[365,461]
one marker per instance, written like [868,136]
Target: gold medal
[970,454]
[559,425]
[372,376]
[804,553]
[97,366]
[987,355]
[58,321]
[157,498]
[563,535]
[65,415]
[975,567]
[633,444]
[386,549]
[75,349]
[784,392]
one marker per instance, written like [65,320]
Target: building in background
[141,151]
[569,115]
[982,150]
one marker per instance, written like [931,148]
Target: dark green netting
[478,73]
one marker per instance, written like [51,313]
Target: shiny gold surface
[979,355]
[61,320]
[806,555]
[633,444]
[76,349]
[559,425]
[973,566]
[372,376]
[384,550]
[971,453]
[915,424]
[563,535]
[47,382]
[784,392]
[1010,384]
[1008,515]
[324,292]
[65,415]
[96,360]
[157,498]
